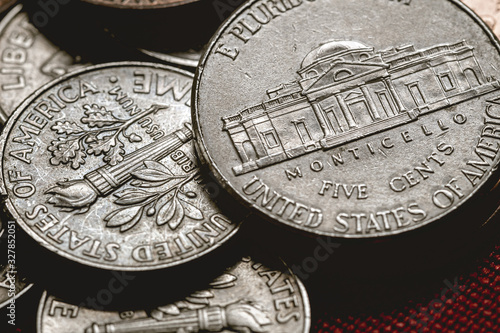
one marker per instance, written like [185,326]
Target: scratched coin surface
[351,118]
[249,298]
[139,4]
[99,167]
[27,59]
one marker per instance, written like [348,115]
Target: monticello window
[446,81]
[383,97]
[312,73]
[302,130]
[270,138]
[416,93]
[342,74]
[363,56]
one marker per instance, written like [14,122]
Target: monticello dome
[329,49]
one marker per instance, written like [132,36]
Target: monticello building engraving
[347,91]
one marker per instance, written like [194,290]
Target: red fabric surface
[465,302]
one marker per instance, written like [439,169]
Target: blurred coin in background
[28,60]
[139,4]
[248,297]
[163,34]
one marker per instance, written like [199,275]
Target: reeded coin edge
[13,211]
[206,159]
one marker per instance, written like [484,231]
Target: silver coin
[27,59]
[248,297]
[351,118]
[12,283]
[99,167]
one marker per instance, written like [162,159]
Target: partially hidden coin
[98,166]
[139,4]
[248,297]
[189,58]
[28,60]
[12,283]
[183,45]
[351,118]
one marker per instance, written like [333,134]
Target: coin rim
[168,58]
[206,158]
[13,211]
[140,7]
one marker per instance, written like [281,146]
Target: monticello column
[347,113]
[371,105]
[255,139]
[395,96]
[320,114]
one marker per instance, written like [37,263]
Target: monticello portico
[348,91]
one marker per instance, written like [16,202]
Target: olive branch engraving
[101,133]
[140,201]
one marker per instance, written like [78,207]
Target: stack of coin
[185,165]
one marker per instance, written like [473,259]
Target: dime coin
[98,166]
[140,4]
[27,59]
[488,10]
[248,297]
[351,118]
